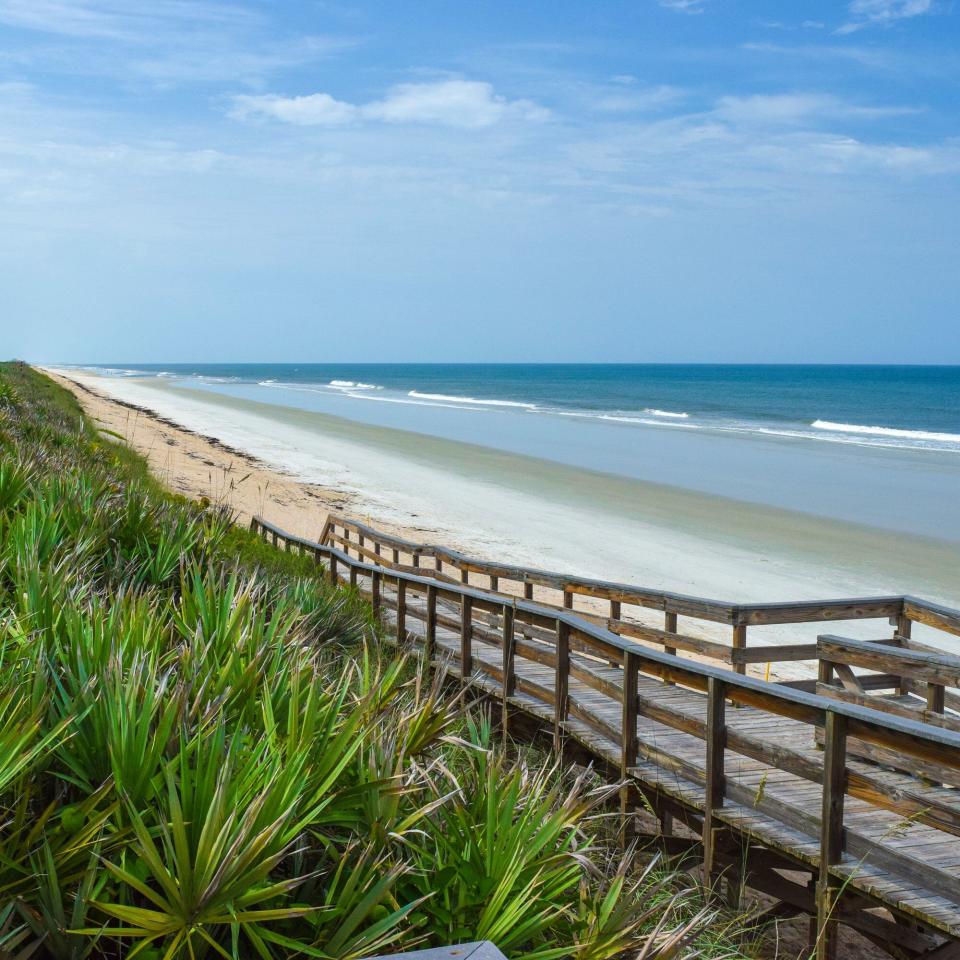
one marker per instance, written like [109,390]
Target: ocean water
[870,445]
[908,407]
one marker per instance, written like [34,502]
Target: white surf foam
[654,412]
[446,398]
[898,433]
[353,385]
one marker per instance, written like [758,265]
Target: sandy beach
[294,467]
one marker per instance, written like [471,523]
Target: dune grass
[204,750]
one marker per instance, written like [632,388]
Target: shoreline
[257,457]
[841,477]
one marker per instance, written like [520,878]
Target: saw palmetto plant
[205,750]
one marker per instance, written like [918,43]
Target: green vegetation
[204,752]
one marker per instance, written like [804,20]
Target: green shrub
[204,750]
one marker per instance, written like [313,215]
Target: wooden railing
[620,607]
[927,679]
[496,633]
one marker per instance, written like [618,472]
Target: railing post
[740,643]
[494,583]
[396,556]
[562,686]
[328,525]
[715,779]
[509,643]
[353,575]
[614,615]
[465,577]
[824,671]
[466,636]
[333,569]
[415,559]
[375,592]
[567,599]
[430,641]
[361,540]
[401,610]
[669,626]
[903,629]
[629,740]
[528,591]
[831,831]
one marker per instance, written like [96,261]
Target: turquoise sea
[876,445]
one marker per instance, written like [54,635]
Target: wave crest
[896,432]
[654,412]
[353,385]
[446,398]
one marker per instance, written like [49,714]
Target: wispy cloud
[799,108]
[684,6]
[219,59]
[469,104]
[865,13]
[161,42]
[124,20]
[868,56]
[626,99]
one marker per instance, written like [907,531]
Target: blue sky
[682,180]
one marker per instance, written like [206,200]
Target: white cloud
[469,104]
[770,108]
[315,109]
[684,6]
[865,13]
[453,103]
[847,152]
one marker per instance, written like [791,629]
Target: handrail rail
[716,610]
[720,611]
[864,722]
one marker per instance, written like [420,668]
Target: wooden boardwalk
[836,794]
